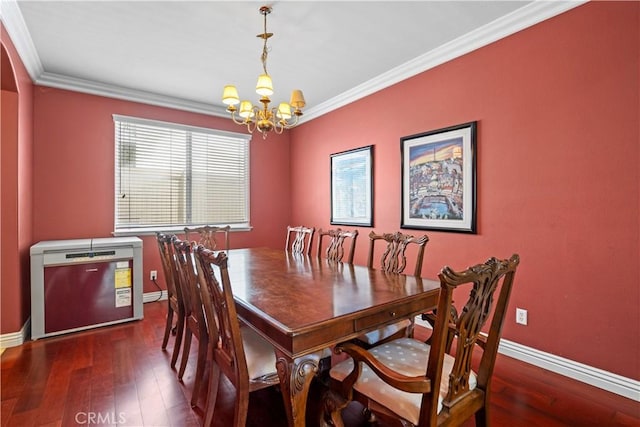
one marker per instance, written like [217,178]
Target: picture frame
[352,187]
[439,179]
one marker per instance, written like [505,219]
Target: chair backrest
[465,393]
[206,236]
[188,279]
[222,319]
[169,267]
[299,239]
[485,280]
[335,249]
[393,259]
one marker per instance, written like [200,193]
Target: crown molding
[111,91]
[520,19]
[507,25]
[16,27]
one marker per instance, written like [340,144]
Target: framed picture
[352,187]
[439,179]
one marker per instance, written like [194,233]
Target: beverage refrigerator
[84,283]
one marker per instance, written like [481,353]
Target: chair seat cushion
[260,355]
[385,332]
[406,356]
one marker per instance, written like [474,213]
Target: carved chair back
[220,311]
[466,393]
[175,303]
[167,260]
[226,345]
[195,323]
[299,239]
[335,249]
[393,259]
[206,236]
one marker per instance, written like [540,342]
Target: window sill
[149,231]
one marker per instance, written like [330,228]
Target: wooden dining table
[304,304]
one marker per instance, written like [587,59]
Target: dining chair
[335,249]
[394,261]
[206,235]
[422,384]
[175,303]
[194,314]
[236,351]
[299,239]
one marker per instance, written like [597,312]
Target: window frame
[152,229]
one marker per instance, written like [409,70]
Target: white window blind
[170,175]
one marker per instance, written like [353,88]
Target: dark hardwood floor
[118,375]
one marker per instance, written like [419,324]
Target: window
[169,175]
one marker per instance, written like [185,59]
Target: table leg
[295,380]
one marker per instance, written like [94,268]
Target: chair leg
[178,340]
[212,393]
[186,347]
[202,358]
[324,366]
[242,408]
[332,406]
[482,417]
[167,328]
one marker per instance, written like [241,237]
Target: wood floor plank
[6,409]
[120,374]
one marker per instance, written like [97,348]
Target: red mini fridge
[84,283]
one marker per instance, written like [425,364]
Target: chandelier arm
[279,125]
[235,119]
[293,122]
[251,125]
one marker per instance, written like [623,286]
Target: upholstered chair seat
[379,335]
[405,356]
[261,358]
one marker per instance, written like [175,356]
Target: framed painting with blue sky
[439,179]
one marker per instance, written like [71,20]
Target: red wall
[558,114]
[74,171]
[16,201]
[557,107]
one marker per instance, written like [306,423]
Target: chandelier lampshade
[230,95]
[264,87]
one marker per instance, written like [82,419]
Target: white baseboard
[15,339]
[154,296]
[596,377]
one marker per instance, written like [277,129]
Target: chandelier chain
[265,36]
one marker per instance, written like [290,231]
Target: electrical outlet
[521,316]
[153,275]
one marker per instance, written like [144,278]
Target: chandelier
[264,118]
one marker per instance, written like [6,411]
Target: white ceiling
[181,53]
